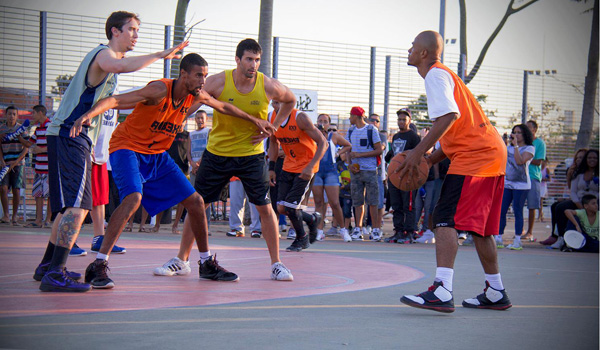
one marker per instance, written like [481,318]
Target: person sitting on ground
[585,221]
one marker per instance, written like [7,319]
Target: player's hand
[77,126]
[306,174]
[410,166]
[11,165]
[272,178]
[171,53]
[265,129]
[194,168]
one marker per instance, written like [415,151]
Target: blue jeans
[517,199]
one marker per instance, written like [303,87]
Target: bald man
[471,194]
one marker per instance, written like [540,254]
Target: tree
[591,81]
[265,36]
[510,10]
[62,83]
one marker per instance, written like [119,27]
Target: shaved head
[432,42]
[425,51]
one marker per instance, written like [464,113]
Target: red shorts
[99,184]
[470,203]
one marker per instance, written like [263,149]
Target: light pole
[526,74]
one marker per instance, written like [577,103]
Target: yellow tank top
[232,136]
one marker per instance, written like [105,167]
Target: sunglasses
[374,120]
[331,129]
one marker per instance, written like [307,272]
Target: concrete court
[345,296]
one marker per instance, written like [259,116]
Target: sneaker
[58,281]
[211,270]
[489,299]
[499,241]
[298,244]
[550,240]
[42,269]
[76,251]
[356,234]
[560,242]
[96,275]
[366,231]
[462,235]
[172,267]
[256,234]
[291,233]
[405,238]
[282,228]
[427,237]
[320,235]
[397,235]
[281,273]
[97,243]
[432,299]
[235,233]
[333,231]
[375,235]
[468,240]
[345,235]
[516,245]
[312,227]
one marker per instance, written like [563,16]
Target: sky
[550,34]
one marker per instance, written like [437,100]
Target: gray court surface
[555,298]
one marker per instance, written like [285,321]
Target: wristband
[271,165]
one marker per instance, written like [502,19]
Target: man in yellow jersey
[304,146]
[232,149]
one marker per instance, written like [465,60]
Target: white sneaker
[428,237]
[560,242]
[376,235]
[172,267]
[499,241]
[333,231]
[345,235]
[468,240]
[367,231]
[356,234]
[462,235]
[281,273]
[320,235]
[516,245]
[291,233]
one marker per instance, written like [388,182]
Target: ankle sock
[445,275]
[495,281]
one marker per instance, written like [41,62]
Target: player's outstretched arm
[150,94]
[110,63]
[279,92]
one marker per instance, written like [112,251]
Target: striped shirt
[11,149]
[39,137]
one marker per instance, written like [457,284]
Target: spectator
[345,196]
[375,120]
[517,184]
[198,140]
[544,187]
[179,151]
[326,180]
[12,153]
[237,198]
[535,174]
[402,201]
[585,221]
[366,147]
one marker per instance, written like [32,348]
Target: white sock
[517,239]
[102,256]
[204,256]
[445,275]
[495,281]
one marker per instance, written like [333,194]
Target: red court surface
[137,289]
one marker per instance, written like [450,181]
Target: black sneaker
[58,281]
[96,275]
[312,227]
[489,299]
[42,269]
[394,239]
[299,244]
[211,270]
[432,299]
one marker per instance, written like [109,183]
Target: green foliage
[62,83]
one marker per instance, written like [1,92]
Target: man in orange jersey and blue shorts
[304,146]
[144,172]
[471,194]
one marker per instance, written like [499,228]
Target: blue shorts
[327,178]
[156,176]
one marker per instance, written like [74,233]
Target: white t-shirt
[198,141]
[517,176]
[439,87]
[109,120]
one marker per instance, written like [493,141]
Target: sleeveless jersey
[232,136]
[472,143]
[152,129]
[79,98]
[299,148]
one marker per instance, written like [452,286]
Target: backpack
[370,129]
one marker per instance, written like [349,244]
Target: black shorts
[291,190]
[69,173]
[216,171]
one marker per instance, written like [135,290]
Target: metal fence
[40,50]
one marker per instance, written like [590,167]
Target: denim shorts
[327,178]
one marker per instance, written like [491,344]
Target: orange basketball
[407,184]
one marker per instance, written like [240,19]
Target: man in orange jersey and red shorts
[471,194]
[304,146]
[143,170]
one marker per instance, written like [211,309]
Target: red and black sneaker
[436,298]
[490,299]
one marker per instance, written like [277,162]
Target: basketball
[407,184]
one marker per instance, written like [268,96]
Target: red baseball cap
[357,111]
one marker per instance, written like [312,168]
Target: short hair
[527,134]
[40,109]
[247,45]
[190,60]
[11,108]
[535,124]
[327,115]
[118,19]
[201,111]
[586,198]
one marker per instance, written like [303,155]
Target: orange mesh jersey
[151,129]
[472,143]
[299,148]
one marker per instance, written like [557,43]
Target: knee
[281,210]
[193,201]
[133,199]
[291,213]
